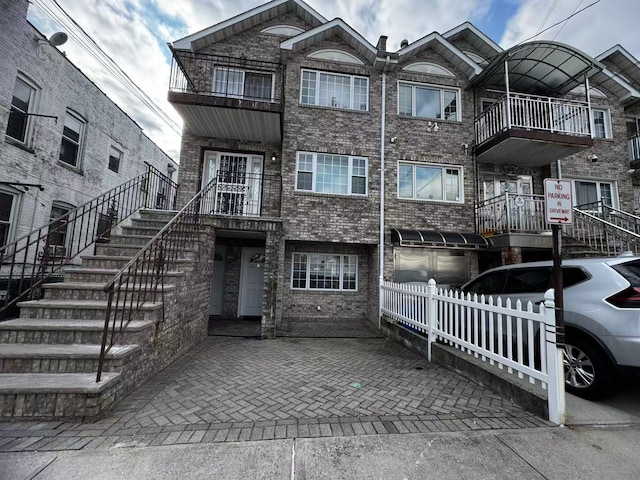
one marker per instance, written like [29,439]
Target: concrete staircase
[49,356]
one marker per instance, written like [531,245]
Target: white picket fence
[519,340]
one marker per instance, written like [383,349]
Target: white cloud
[593,31]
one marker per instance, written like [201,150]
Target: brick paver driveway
[235,389]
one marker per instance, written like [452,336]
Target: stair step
[91,290]
[69,331]
[130,250]
[50,358]
[89,309]
[123,239]
[116,262]
[102,275]
[49,396]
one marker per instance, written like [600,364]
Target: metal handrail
[39,255]
[194,73]
[601,235]
[142,280]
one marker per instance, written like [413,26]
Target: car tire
[588,372]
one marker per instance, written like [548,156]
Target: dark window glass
[630,271]
[489,284]
[58,229]
[71,139]
[6,204]
[114,160]
[528,280]
[572,276]
[18,118]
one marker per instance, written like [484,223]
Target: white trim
[428,68]
[283,30]
[335,55]
[352,256]
[291,43]
[443,167]
[432,86]
[33,107]
[436,37]
[317,89]
[483,62]
[14,214]
[186,42]
[314,174]
[472,28]
[597,182]
[608,134]
[81,138]
[623,82]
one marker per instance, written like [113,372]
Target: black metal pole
[557,283]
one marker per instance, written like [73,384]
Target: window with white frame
[232,82]
[59,230]
[334,90]
[323,271]
[115,156]
[601,123]
[428,101]
[590,193]
[72,139]
[8,213]
[22,103]
[430,182]
[332,174]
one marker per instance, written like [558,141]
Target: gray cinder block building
[62,140]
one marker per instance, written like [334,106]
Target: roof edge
[186,42]
[471,27]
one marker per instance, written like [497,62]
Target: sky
[135,33]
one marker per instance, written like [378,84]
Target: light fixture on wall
[432,127]
[393,139]
[594,158]
[273,157]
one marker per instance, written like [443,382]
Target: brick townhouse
[62,141]
[337,163]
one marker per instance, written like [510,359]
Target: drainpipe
[382,145]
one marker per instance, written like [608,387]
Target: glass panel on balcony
[240,84]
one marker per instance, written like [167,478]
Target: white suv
[602,314]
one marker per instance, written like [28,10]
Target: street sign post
[558,210]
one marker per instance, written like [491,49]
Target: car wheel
[587,370]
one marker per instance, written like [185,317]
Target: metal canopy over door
[251,282]
[238,182]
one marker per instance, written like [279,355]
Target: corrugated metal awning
[542,67]
[433,238]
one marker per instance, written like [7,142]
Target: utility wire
[84,40]
[566,21]
[553,6]
[558,23]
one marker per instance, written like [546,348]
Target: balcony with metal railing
[532,130]
[227,97]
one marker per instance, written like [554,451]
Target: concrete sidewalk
[543,453]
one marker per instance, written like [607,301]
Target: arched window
[335,56]
[429,68]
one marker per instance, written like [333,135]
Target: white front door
[238,185]
[217,285]
[251,282]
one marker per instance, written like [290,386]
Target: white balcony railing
[545,114]
[511,213]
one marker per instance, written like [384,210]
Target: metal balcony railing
[598,226]
[511,213]
[40,255]
[237,193]
[546,114]
[228,77]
